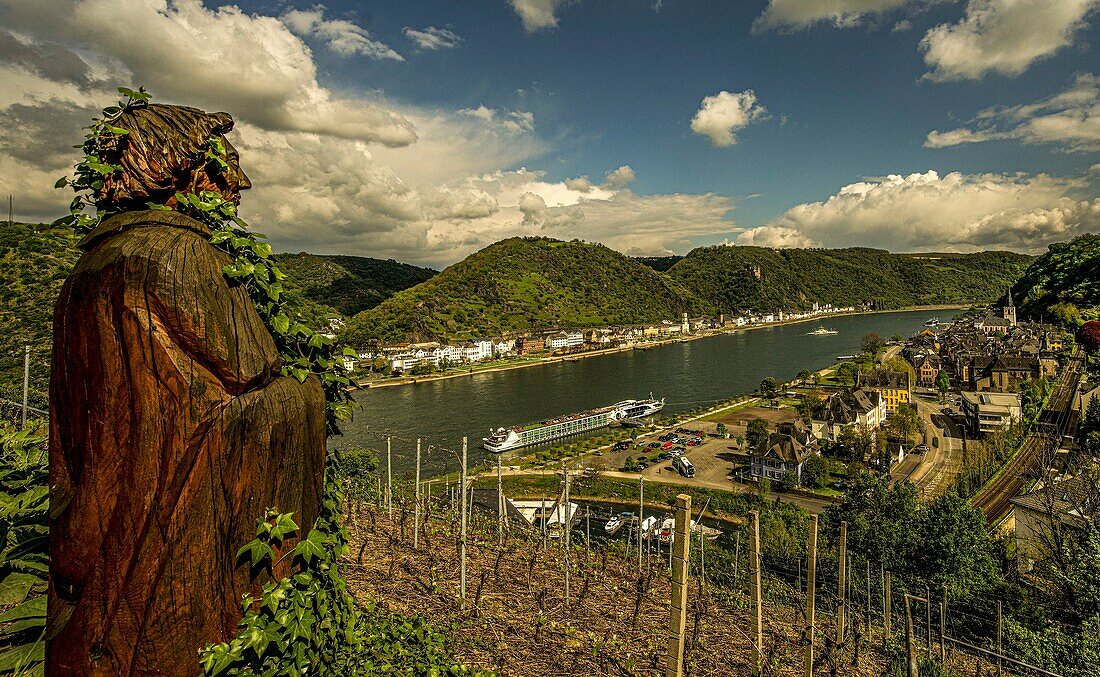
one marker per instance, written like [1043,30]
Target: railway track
[994,499]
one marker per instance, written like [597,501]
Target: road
[994,498]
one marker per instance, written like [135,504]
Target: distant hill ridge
[537,283]
[729,278]
[526,283]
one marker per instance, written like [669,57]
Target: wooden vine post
[842,584]
[677,622]
[416,499]
[462,531]
[811,589]
[757,606]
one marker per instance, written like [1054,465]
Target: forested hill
[526,283]
[345,285]
[1064,283]
[760,278]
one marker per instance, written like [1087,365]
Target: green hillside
[1064,283]
[759,278]
[327,286]
[35,259]
[526,283]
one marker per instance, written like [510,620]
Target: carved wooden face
[229,182]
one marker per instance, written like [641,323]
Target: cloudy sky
[425,130]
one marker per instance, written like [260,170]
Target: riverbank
[427,378]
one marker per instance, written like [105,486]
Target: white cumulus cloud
[620,178]
[1069,120]
[1002,36]
[432,38]
[799,14]
[723,114]
[928,212]
[340,35]
[538,15]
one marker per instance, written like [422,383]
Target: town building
[530,344]
[785,451]
[894,387]
[564,339]
[988,412]
[841,409]
[1068,502]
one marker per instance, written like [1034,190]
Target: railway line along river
[688,375]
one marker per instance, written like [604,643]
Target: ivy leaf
[311,546]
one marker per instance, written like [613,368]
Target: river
[688,375]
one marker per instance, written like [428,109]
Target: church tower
[1009,310]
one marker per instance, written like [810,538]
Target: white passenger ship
[503,439]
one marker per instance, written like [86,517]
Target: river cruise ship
[503,439]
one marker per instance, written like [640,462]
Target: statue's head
[165,152]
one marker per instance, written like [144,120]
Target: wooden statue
[171,429]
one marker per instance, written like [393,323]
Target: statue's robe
[171,432]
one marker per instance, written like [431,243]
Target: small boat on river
[822,331]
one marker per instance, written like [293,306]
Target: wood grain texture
[171,431]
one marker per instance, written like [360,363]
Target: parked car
[653,445]
[920,448]
[620,446]
[665,455]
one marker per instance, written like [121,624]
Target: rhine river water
[688,375]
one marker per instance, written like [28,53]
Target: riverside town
[550,338]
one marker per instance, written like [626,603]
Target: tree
[900,364]
[846,373]
[872,343]
[815,472]
[804,376]
[721,428]
[1089,336]
[904,422]
[757,433]
[769,387]
[897,338]
[1092,413]
[943,384]
[788,481]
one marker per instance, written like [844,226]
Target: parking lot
[714,458]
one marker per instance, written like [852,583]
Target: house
[504,347]
[992,324]
[927,368]
[894,387]
[1068,501]
[1008,370]
[564,339]
[987,412]
[842,409]
[785,451]
[530,344]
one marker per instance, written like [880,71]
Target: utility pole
[26,377]
[389,475]
[928,620]
[754,581]
[678,602]
[568,524]
[841,583]
[811,586]
[462,532]
[641,518]
[416,500]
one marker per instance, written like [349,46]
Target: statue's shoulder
[146,218]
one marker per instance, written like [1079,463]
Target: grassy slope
[527,283]
[1069,273]
[795,278]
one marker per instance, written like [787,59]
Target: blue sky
[824,99]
